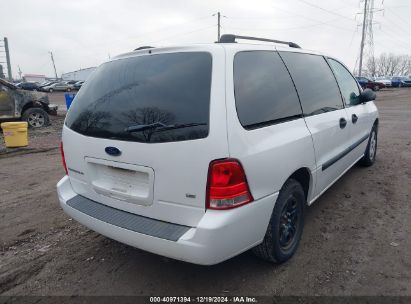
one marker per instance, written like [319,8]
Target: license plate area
[126,182]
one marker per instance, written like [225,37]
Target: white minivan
[201,152]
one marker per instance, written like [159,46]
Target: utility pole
[364,25]
[218,25]
[54,65]
[19,72]
[6,48]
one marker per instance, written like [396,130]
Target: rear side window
[151,98]
[264,91]
[314,81]
[348,85]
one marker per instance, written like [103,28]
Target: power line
[182,34]
[155,31]
[314,20]
[325,10]
[284,28]
[397,26]
[392,35]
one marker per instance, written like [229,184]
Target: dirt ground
[356,239]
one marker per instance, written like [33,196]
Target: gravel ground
[356,239]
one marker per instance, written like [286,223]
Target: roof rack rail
[144,47]
[230,38]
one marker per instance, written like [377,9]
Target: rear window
[152,98]
[264,91]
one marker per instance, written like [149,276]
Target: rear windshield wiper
[138,128]
[158,126]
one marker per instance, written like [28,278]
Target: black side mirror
[367,95]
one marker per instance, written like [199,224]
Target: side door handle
[343,122]
[354,118]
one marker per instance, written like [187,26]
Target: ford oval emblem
[113,151]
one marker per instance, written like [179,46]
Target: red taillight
[227,185]
[63,158]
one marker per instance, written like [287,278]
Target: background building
[81,74]
[34,78]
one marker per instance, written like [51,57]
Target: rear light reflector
[227,185]
[63,159]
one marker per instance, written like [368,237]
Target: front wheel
[36,117]
[371,151]
[51,90]
[286,225]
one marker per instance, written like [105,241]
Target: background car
[78,85]
[366,83]
[29,86]
[45,84]
[58,86]
[385,80]
[401,81]
[33,107]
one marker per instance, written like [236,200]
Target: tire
[36,117]
[68,90]
[376,88]
[281,240]
[371,150]
[51,90]
[400,85]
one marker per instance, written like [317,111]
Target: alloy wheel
[36,120]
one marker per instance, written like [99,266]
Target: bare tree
[371,67]
[389,65]
[146,116]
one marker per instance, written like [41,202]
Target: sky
[83,34]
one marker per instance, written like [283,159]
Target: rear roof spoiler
[230,38]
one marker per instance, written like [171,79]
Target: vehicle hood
[34,96]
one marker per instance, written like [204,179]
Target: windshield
[166,89]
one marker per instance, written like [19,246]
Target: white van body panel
[167,181]
[367,114]
[329,140]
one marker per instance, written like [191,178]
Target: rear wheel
[376,88]
[36,117]
[51,90]
[286,225]
[371,150]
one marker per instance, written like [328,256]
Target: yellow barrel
[15,134]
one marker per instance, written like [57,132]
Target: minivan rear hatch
[143,129]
